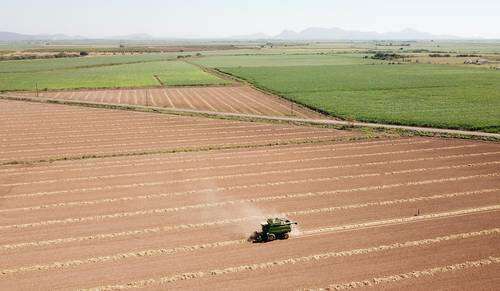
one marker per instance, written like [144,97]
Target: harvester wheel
[271,237]
[285,236]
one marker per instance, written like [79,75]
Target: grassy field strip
[131,198]
[140,74]
[300,131]
[169,251]
[154,230]
[295,260]
[148,134]
[373,282]
[213,157]
[240,175]
[146,173]
[157,151]
[41,65]
[230,155]
[118,215]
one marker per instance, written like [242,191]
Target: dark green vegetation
[416,94]
[101,72]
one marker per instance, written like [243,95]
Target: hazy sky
[218,18]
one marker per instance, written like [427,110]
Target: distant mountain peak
[335,33]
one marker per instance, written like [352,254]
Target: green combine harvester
[272,229]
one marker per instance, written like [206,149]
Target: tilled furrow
[171,278]
[244,165]
[169,251]
[373,282]
[252,174]
[160,160]
[157,211]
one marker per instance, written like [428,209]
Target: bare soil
[418,213]
[228,99]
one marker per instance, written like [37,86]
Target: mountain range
[309,34]
[6,36]
[332,34]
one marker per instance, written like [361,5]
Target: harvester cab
[272,229]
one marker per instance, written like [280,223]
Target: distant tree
[83,54]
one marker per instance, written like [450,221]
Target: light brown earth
[180,220]
[229,99]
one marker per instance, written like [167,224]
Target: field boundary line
[261,118]
[295,260]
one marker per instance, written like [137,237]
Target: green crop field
[423,95]
[82,62]
[280,60]
[60,75]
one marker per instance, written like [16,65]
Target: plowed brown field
[181,219]
[232,99]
